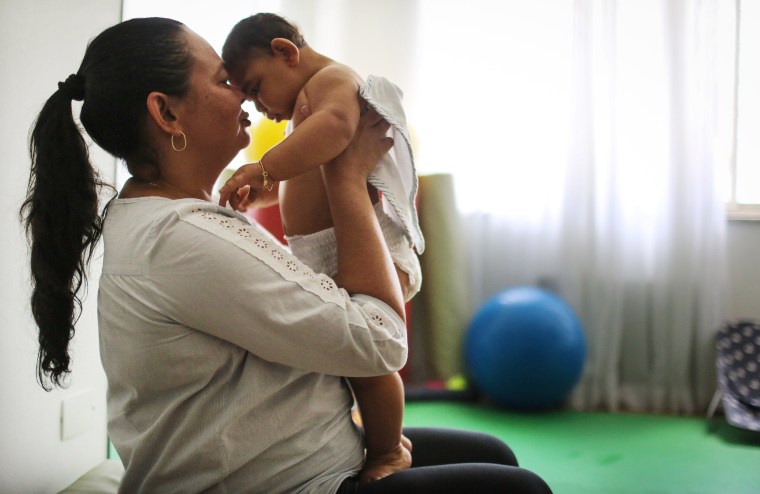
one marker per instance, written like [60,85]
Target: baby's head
[253,36]
[259,54]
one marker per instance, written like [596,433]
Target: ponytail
[121,66]
[60,214]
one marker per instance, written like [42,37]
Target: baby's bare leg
[381,403]
[304,210]
[303,204]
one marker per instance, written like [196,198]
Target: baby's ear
[286,49]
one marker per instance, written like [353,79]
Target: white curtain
[644,221]
[637,244]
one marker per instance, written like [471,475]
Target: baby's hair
[255,34]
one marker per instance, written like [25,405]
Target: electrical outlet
[78,413]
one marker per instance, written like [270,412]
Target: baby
[268,59]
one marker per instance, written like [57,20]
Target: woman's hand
[369,144]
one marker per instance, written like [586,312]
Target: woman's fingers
[371,118]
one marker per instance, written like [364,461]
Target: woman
[207,390]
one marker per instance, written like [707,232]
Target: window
[745,193]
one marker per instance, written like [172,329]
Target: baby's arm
[333,96]
[333,114]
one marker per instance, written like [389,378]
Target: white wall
[41,43]
[744,269]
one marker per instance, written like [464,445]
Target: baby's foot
[377,467]
[406,442]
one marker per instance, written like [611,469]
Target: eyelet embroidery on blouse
[256,243]
[377,319]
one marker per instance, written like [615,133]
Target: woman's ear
[160,110]
[287,50]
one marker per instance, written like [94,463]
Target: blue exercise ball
[525,349]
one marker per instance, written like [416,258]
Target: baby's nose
[259,107]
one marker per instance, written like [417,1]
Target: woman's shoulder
[200,233]
[155,230]
[161,215]
[153,207]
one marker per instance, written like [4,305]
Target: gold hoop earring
[184,142]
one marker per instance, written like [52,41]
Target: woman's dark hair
[61,213]
[255,34]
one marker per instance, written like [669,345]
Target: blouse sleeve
[220,275]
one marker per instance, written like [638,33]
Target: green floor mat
[599,453]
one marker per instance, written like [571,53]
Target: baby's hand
[244,188]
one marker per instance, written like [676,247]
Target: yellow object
[265,135]
[457,383]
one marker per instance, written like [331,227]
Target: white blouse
[223,354]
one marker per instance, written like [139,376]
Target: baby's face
[270,82]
